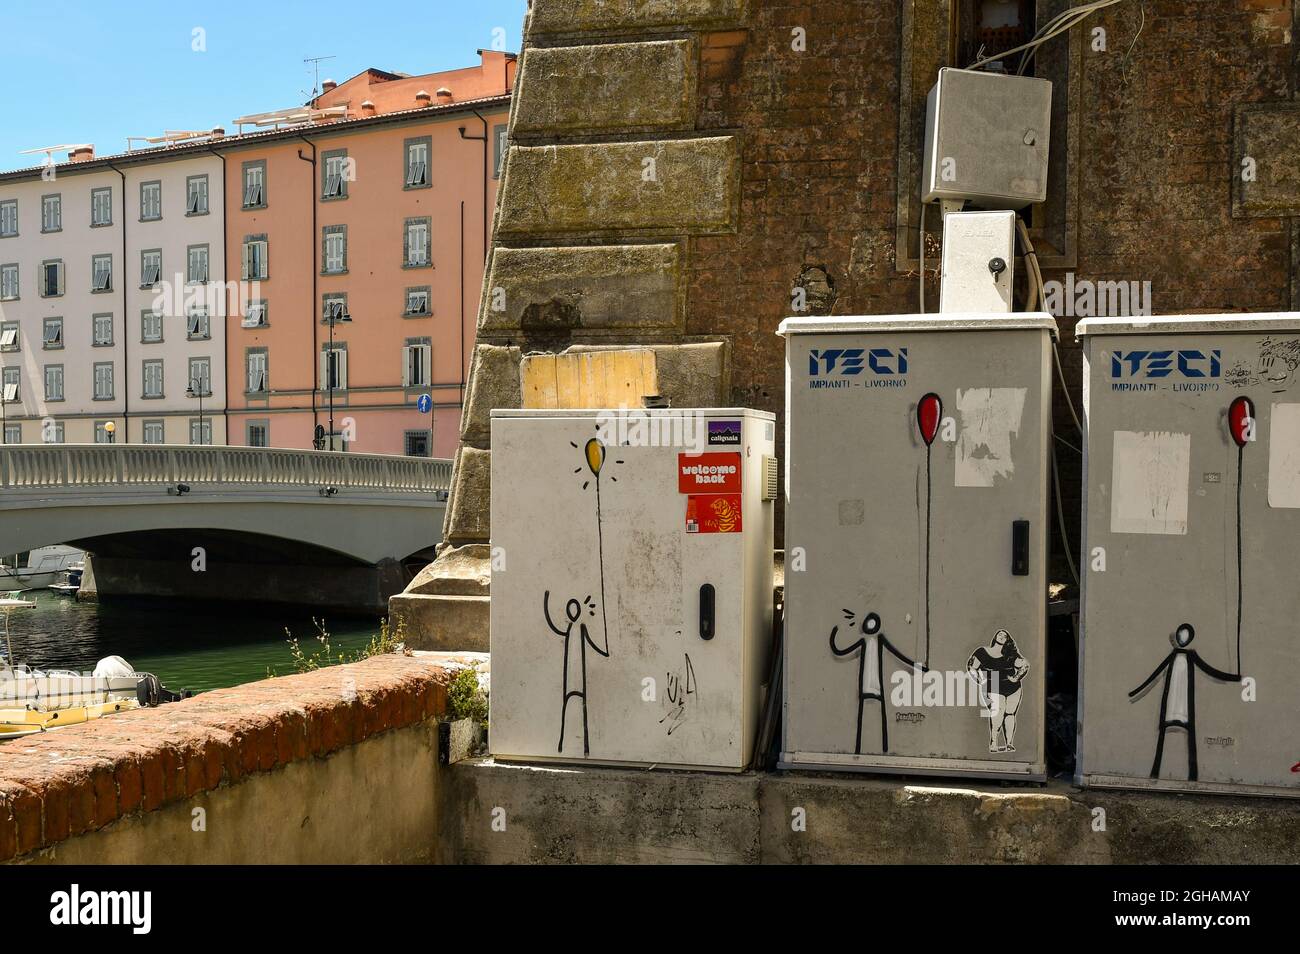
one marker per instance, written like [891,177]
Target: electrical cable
[922,258]
[1059,24]
[1060,517]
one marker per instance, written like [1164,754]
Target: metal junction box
[631,585]
[979,262]
[986,139]
[1190,661]
[916,543]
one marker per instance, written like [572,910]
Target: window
[255,362]
[335,307]
[102,435]
[52,278]
[336,170]
[417,357]
[196,195]
[257,433]
[13,434]
[255,184]
[9,336]
[8,218]
[415,244]
[150,267]
[255,315]
[417,163]
[417,301]
[196,264]
[151,326]
[201,377]
[200,430]
[154,432]
[8,282]
[417,443]
[500,147]
[52,432]
[102,327]
[9,380]
[101,270]
[52,334]
[334,368]
[152,376]
[103,381]
[255,257]
[198,326]
[150,201]
[334,249]
[54,382]
[101,207]
[52,213]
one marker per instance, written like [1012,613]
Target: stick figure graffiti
[573,613]
[870,649]
[1178,700]
[999,670]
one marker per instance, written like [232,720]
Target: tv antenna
[315,62]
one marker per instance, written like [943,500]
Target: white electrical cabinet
[916,543]
[979,262]
[1190,660]
[631,584]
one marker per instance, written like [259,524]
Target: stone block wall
[678,168]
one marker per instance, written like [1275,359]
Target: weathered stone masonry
[775,169]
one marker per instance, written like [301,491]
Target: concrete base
[353,588]
[507,813]
[446,607]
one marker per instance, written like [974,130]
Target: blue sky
[98,71]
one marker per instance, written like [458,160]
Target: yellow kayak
[18,722]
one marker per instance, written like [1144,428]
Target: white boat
[37,568]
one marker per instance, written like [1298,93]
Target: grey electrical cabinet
[916,543]
[1190,661]
[986,139]
[631,614]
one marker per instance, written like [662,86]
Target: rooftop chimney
[218,132]
[444,95]
[82,154]
[367,108]
[422,98]
[328,85]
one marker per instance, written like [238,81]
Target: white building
[61,304]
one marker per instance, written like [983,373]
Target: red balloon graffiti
[1241,420]
[929,412]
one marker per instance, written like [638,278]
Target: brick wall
[58,785]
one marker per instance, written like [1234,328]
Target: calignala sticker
[724,433]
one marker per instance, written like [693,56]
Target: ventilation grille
[769,478]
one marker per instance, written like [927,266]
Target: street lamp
[196,389]
[338,313]
[110,428]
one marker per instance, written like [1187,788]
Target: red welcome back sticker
[708,473]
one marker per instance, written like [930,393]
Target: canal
[187,645]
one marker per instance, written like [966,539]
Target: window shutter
[343,370]
[406,243]
[406,366]
[60,279]
[247,266]
[324,371]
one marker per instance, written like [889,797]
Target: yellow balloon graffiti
[595,451]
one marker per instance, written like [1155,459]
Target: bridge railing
[36,466]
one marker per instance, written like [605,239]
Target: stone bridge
[333,529]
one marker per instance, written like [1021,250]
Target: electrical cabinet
[986,139]
[631,613]
[916,543]
[1190,659]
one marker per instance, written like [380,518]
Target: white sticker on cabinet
[1150,477]
[990,417]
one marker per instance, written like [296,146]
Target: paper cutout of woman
[999,669]
[1178,701]
[871,666]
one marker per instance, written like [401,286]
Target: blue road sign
[424,404]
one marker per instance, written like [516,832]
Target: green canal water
[186,645]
